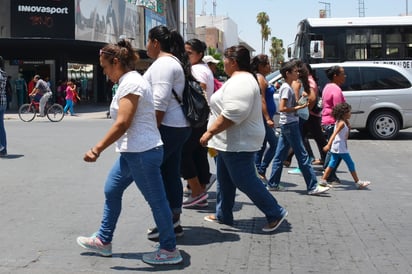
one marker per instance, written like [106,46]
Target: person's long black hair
[172,42]
[1,63]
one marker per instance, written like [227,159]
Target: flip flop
[212,218]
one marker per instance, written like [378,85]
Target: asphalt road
[49,196]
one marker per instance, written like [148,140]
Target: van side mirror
[289,52]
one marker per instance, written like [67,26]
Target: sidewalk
[86,111]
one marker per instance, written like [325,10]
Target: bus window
[393,51]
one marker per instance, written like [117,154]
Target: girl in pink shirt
[69,97]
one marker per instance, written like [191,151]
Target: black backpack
[194,104]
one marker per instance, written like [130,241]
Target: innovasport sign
[42,18]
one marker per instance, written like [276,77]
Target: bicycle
[54,111]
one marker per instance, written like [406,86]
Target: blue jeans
[237,170]
[69,105]
[290,136]
[173,140]
[328,129]
[144,169]
[3,139]
[263,156]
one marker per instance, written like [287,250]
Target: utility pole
[361,8]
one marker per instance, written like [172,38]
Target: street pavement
[49,196]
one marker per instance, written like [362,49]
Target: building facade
[60,39]
[219,32]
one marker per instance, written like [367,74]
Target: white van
[380,96]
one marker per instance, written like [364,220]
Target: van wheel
[384,125]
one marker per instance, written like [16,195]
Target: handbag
[194,104]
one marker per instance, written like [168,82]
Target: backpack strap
[176,97]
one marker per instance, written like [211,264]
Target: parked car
[380,96]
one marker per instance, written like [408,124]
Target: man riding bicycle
[41,91]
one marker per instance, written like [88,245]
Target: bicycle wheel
[55,113]
[27,112]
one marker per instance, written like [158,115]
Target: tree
[277,52]
[262,19]
[265,36]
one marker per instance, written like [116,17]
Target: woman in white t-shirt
[236,131]
[138,141]
[195,165]
[164,75]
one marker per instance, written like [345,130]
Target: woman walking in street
[236,131]
[261,67]
[138,140]
[167,73]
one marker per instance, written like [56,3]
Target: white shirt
[238,100]
[142,134]
[203,74]
[339,144]
[165,74]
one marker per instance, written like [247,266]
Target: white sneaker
[362,184]
[318,190]
[325,184]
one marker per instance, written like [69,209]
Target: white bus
[386,40]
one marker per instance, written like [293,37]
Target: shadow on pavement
[12,156]
[154,268]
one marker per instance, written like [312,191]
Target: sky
[285,15]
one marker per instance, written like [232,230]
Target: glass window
[393,35]
[364,44]
[393,51]
[353,80]
[408,36]
[382,78]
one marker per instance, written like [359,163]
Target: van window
[353,79]
[352,82]
[367,78]
[382,78]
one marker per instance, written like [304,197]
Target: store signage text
[43,9]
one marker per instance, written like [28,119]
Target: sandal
[211,218]
[317,162]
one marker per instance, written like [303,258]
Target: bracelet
[94,153]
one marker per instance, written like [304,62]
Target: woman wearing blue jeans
[261,67]
[236,131]
[290,136]
[165,74]
[141,153]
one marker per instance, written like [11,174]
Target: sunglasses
[105,52]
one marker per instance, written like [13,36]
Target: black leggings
[194,157]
